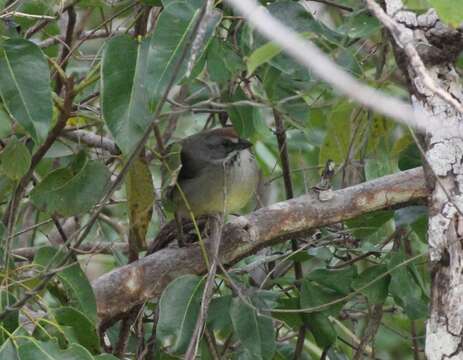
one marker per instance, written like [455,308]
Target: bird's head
[216,144]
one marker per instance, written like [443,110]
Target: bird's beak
[243,144]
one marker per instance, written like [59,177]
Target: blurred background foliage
[121,56]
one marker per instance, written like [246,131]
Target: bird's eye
[227,143]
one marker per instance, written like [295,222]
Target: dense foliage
[93,92]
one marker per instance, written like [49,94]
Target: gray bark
[438,46]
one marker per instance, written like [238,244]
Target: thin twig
[68,38]
[25,15]
[216,224]
[93,140]
[280,134]
[87,35]
[415,346]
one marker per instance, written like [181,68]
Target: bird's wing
[170,170]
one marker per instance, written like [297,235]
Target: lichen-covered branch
[119,290]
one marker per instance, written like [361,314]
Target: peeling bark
[438,46]
[119,290]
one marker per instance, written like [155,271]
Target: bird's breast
[234,180]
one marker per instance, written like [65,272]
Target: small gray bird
[217,165]
[218,174]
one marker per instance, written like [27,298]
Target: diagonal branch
[119,290]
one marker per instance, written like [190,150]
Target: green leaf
[410,158]
[132,82]
[359,24]
[8,351]
[321,328]
[314,296]
[31,349]
[15,159]
[286,352]
[218,315]
[11,320]
[79,291]
[337,280]
[22,63]
[253,330]
[166,45]
[367,225]
[82,327]
[338,134]
[376,292]
[294,320]
[72,190]
[222,62]
[449,11]
[152,2]
[140,201]
[405,289]
[261,55]
[294,15]
[124,99]
[178,310]
[245,118]
[106,357]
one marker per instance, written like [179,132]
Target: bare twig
[374,320]
[66,46]
[25,15]
[415,346]
[100,248]
[284,157]
[216,224]
[87,35]
[93,140]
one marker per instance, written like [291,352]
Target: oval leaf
[31,349]
[140,200]
[22,63]
[124,99]
[78,289]
[377,291]
[178,310]
[15,160]
[166,45]
[83,328]
[70,191]
[255,331]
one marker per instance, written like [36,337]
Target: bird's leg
[180,233]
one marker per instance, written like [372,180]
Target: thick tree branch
[119,290]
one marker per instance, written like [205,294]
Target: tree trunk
[438,47]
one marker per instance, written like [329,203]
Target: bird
[217,174]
